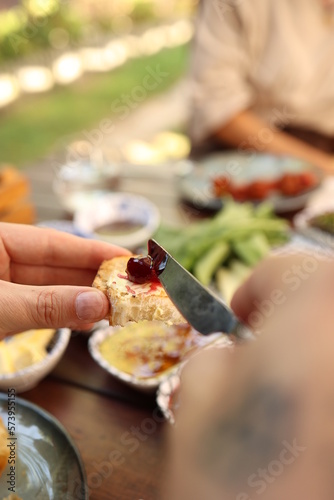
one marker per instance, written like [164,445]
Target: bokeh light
[9,89]
[67,68]
[35,79]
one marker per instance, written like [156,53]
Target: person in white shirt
[263,77]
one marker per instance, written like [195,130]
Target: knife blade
[197,304]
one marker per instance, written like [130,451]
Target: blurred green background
[39,38]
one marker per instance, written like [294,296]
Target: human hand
[257,420]
[277,280]
[46,277]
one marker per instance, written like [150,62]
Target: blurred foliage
[26,29]
[143,11]
[38,122]
[32,33]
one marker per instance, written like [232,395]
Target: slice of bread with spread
[132,301]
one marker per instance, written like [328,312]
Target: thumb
[25,307]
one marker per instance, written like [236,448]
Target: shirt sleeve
[220,68]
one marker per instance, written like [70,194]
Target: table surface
[100,413]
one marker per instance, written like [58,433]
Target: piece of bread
[131,301]
[3,447]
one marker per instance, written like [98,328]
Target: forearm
[248,132]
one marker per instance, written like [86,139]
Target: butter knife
[203,310]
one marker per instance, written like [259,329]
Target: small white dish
[27,378]
[142,384]
[149,384]
[123,219]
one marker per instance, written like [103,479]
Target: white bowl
[150,384]
[26,379]
[114,208]
[142,384]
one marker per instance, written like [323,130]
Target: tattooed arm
[257,422]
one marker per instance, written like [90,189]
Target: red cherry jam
[158,257]
[140,270]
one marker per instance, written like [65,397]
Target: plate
[48,465]
[196,187]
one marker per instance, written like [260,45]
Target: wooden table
[119,432]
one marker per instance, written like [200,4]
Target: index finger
[48,247]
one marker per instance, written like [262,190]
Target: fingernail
[90,306]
